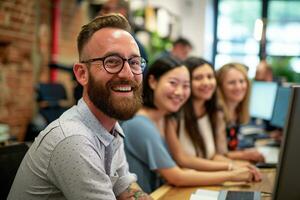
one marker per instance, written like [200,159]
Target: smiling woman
[166,88]
[233,94]
[195,143]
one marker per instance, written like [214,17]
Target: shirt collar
[89,119]
[118,130]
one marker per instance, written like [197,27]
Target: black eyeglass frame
[143,63]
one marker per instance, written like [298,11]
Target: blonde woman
[233,96]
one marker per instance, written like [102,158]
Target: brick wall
[25,47]
[73,16]
[17,38]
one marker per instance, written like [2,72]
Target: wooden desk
[167,192]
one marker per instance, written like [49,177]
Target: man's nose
[126,71]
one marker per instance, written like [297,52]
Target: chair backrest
[11,157]
[52,113]
[51,92]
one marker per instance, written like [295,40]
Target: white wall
[196,22]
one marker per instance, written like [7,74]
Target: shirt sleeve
[145,143]
[124,177]
[77,169]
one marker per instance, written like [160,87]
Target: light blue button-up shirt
[75,157]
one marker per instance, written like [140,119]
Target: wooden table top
[167,192]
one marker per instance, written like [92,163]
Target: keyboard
[266,165]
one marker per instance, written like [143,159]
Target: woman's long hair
[243,107]
[190,118]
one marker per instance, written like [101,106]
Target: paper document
[271,154]
[201,194]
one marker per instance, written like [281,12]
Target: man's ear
[81,73]
[152,82]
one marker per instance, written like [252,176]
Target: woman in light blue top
[166,88]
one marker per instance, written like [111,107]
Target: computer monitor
[262,99]
[287,179]
[281,106]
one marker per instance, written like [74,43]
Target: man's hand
[133,194]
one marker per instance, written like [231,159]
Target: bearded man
[80,155]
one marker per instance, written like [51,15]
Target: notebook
[225,195]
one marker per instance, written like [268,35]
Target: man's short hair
[100,22]
[182,41]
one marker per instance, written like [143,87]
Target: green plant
[281,66]
[157,46]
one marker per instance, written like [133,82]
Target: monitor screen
[287,179]
[262,99]
[281,106]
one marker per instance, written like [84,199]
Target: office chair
[52,94]
[49,96]
[11,157]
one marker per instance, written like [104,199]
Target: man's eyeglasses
[113,64]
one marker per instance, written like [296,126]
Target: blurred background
[38,46]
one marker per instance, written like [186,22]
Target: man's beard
[120,108]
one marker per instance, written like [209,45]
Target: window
[283,41]
[238,25]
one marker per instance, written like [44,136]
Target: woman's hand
[257,176]
[253,155]
[242,174]
[247,173]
